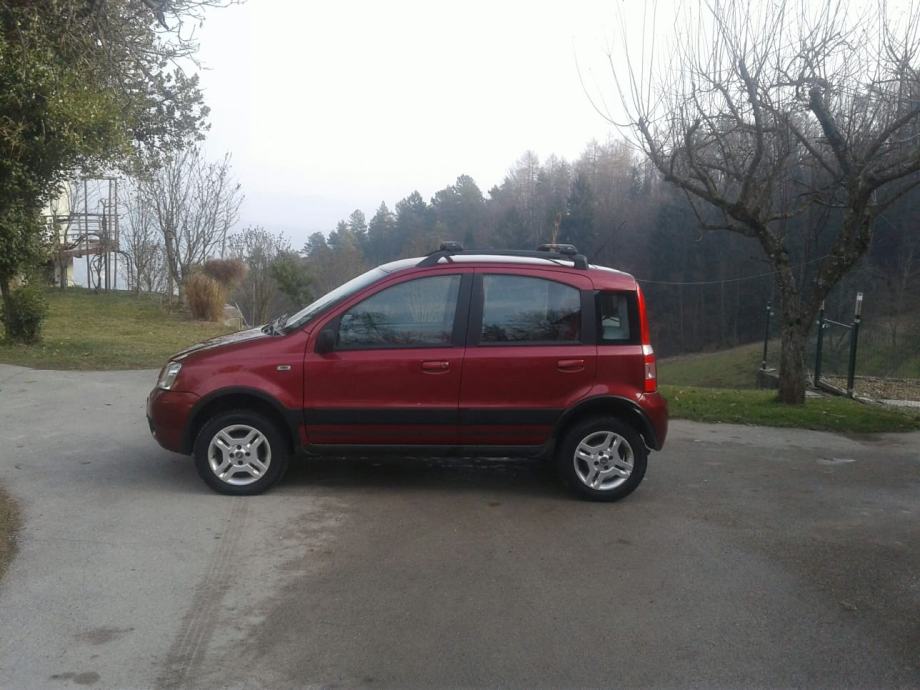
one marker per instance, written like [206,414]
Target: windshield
[332,297]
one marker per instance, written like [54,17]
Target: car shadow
[524,476]
[162,470]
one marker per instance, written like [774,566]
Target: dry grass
[205,296]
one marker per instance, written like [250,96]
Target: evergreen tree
[381,236]
[460,210]
[579,226]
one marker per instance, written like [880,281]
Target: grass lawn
[9,522]
[734,368]
[120,330]
[759,407]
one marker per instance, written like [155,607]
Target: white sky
[331,106]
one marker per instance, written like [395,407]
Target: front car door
[531,354]
[393,376]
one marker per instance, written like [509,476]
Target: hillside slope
[733,368]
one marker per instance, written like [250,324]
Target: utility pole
[86,229]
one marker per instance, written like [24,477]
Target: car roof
[603,277]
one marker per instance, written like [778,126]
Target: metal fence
[853,351]
[836,345]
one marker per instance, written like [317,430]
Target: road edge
[9,526]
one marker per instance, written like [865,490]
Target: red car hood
[221,341]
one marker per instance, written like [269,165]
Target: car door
[393,376]
[531,354]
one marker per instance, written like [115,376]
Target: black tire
[594,428]
[235,420]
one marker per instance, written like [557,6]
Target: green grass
[9,523]
[760,407]
[737,367]
[120,330]
[734,368]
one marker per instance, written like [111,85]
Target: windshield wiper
[276,327]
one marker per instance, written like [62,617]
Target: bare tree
[142,245]
[259,249]
[63,237]
[765,111]
[194,203]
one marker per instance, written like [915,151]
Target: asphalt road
[749,557]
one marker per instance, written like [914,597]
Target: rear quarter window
[618,318]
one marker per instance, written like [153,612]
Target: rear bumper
[655,408]
[168,414]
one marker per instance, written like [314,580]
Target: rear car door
[531,354]
[393,376]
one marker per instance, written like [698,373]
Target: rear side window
[618,317]
[417,313]
[520,309]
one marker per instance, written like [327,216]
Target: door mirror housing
[325,341]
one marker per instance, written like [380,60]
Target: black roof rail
[563,252]
[567,249]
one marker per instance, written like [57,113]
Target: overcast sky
[327,107]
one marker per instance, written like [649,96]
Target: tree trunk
[793,335]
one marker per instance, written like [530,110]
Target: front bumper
[168,415]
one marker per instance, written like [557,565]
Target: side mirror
[325,341]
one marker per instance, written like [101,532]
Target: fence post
[766,337]
[854,339]
[819,344]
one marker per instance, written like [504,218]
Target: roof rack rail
[567,249]
[564,252]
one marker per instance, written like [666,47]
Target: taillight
[651,370]
[648,354]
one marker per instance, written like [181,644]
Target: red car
[466,353]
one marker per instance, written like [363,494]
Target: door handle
[438,367]
[570,365]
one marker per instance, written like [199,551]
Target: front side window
[519,309]
[417,313]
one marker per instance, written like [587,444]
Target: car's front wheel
[240,453]
[602,458]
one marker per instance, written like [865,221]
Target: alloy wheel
[603,460]
[239,454]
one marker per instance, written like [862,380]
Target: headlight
[168,375]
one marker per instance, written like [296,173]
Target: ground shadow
[161,470]
[525,476]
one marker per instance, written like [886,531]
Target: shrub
[205,297]
[27,309]
[228,272]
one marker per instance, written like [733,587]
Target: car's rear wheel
[240,453]
[602,458]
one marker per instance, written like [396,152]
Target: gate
[835,350]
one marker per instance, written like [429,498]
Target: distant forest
[706,289]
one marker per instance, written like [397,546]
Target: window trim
[477,303]
[458,331]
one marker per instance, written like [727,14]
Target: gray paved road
[748,557]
